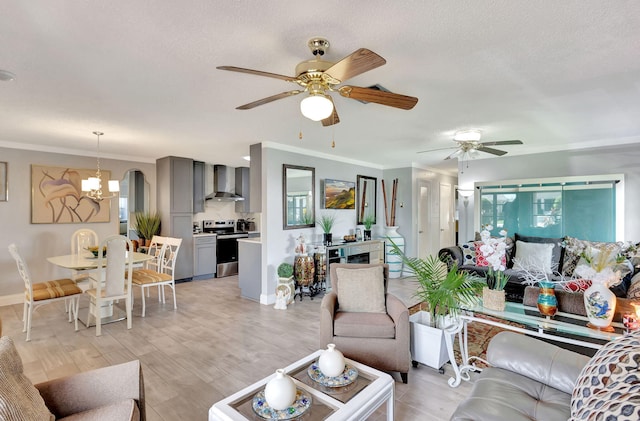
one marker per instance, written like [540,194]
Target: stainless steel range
[226,245]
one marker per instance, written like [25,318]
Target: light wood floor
[215,344]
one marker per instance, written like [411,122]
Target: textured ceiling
[557,75]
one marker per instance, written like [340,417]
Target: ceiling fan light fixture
[316,107]
[472,135]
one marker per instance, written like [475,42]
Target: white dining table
[86,262]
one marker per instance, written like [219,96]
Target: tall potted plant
[326,222]
[444,291]
[147,225]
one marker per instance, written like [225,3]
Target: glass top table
[562,327]
[355,401]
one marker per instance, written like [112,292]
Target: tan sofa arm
[328,309]
[103,386]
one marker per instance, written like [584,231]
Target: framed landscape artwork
[339,194]
[57,197]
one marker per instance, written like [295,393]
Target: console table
[563,327]
[370,251]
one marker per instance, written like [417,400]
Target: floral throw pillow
[468,253]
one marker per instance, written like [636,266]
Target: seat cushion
[19,399]
[148,276]
[500,394]
[361,290]
[364,325]
[54,289]
[123,410]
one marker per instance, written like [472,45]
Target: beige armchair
[370,326]
[111,393]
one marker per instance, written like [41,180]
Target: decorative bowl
[94,250]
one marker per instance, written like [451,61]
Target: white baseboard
[9,300]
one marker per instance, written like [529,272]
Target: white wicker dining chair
[161,277]
[47,292]
[114,282]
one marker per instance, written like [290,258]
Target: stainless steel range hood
[224,184]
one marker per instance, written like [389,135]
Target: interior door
[424,246]
[447,232]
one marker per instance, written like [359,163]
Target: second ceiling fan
[319,77]
[468,145]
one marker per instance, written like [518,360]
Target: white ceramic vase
[280,392]
[600,304]
[331,361]
[393,260]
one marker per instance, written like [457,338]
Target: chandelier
[92,186]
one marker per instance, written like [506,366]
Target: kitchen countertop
[256,240]
[205,234]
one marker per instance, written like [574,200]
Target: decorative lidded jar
[331,361]
[280,392]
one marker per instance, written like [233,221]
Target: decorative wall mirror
[298,198]
[134,197]
[366,197]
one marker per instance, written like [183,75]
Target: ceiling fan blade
[333,118]
[503,142]
[439,149]
[358,62]
[267,100]
[380,97]
[256,72]
[455,154]
[492,151]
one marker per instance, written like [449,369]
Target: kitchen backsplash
[218,211]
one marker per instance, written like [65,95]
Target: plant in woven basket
[443,289]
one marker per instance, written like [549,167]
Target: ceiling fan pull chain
[300,135]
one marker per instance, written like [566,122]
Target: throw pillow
[19,399]
[557,255]
[609,386]
[574,247]
[361,290]
[468,253]
[534,257]
[634,289]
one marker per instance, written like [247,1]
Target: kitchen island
[250,267]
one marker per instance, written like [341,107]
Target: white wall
[38,241]
[593,161]
[278,243]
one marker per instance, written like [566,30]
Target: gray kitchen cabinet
[198,186]
[255,176]
[204,262]
[174,177]
[242,188]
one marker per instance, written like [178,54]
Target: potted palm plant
[147,225]
[444,290]
[326,222]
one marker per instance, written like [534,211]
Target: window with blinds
[584,209]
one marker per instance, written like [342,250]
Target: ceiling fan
[319,77]
[468,145]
